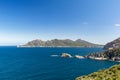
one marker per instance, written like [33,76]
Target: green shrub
[107,74]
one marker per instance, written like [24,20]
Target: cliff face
[107,74]
[58,43]
[113,44]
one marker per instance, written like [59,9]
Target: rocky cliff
[112,55]
[113,44]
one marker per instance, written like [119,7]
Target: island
[60,43]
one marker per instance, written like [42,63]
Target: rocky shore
[67,55]
[111,55]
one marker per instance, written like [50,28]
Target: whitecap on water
[54,55]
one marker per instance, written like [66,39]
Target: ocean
[37,63]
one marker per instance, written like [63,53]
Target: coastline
[98,58]
[110,55]
[102,59]
[20,46]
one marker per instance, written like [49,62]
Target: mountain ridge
[60,43]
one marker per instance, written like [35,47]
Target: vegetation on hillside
[112,73]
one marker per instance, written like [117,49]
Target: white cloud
[118,25]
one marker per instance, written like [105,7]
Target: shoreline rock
[66,55]
[110,55]
[79,57]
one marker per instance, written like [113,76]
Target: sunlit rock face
[112,45]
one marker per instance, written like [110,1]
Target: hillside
[113,44]
[113,73]
[60,43]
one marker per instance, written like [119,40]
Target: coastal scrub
[113,73]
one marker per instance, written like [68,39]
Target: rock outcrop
[66,55]
[79,57]
[112,55]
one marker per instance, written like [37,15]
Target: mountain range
[60,43]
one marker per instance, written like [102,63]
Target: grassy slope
[113,73]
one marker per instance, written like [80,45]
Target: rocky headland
[111,52]
[111,55]
[113,44]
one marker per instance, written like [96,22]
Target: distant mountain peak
[80,40]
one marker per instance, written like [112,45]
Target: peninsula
[60,43]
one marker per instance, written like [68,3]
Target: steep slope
[112,73]
[113,44]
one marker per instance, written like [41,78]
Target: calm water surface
[37,64]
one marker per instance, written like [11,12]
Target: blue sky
[97,21]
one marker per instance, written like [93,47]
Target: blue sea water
[37,64]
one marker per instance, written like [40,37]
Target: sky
[96,21]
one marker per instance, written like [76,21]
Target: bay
[37,63]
